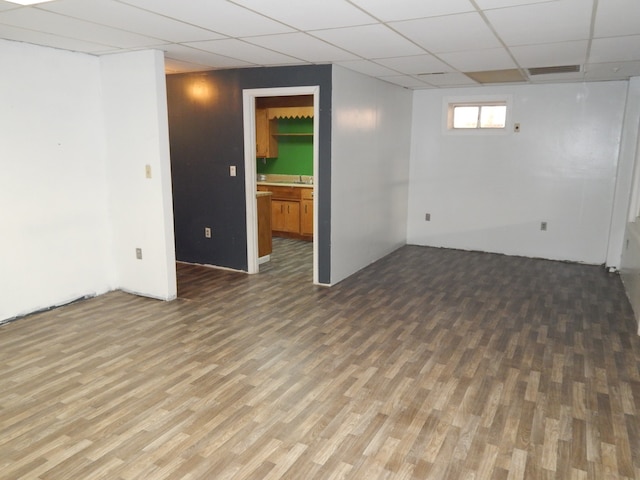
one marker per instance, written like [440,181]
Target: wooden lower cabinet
[265,245]
[306,212]
[285,216]
[291,211]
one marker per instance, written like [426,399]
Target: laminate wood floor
[428,364]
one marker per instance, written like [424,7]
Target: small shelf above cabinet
[290,112]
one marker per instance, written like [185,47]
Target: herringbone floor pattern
[429,364]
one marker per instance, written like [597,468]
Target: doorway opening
[274,98]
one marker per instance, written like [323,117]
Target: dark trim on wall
[206,137]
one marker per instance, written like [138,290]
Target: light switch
[147,171]
[232,170]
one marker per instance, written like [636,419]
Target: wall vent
[557,69]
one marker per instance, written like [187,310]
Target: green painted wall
[295,154]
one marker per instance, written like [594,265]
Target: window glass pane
[493,116]
[465,117]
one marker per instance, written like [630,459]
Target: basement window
[485,115]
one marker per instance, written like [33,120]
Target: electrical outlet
[427,217]
[147,171]
[207,232]
[139,253]
[543,226]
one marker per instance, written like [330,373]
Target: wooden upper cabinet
[266,143]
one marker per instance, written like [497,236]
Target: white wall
[76,133]
[630,268]
[371,124]
[624,177]
[55,233]
[630,180]
[491,192]
[135,106]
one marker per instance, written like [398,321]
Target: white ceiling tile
[615,49]
[447,80]
[132,19]
[551,54]
[452,33]
[243,51]
[367,67]
[405,81]
[408,9]
[559,21]
[192,55]
[488,4]
[302,46]
[7,6]
[177,66]
[425,87]
[617,18]
[217,15]
[370,41]
[611,71]
[39,20]
[310,14]
[422,35]
[415,64]
[479,60]
[54,41]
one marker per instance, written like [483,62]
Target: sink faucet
[300,176]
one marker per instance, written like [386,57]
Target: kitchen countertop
[263,194]
[283,180]
[287,184]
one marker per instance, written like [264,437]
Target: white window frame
[448,104]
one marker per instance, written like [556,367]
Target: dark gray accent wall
[207,136]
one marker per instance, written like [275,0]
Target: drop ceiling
[417,44]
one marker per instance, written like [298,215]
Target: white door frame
[249,118]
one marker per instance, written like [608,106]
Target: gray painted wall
[206,137]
